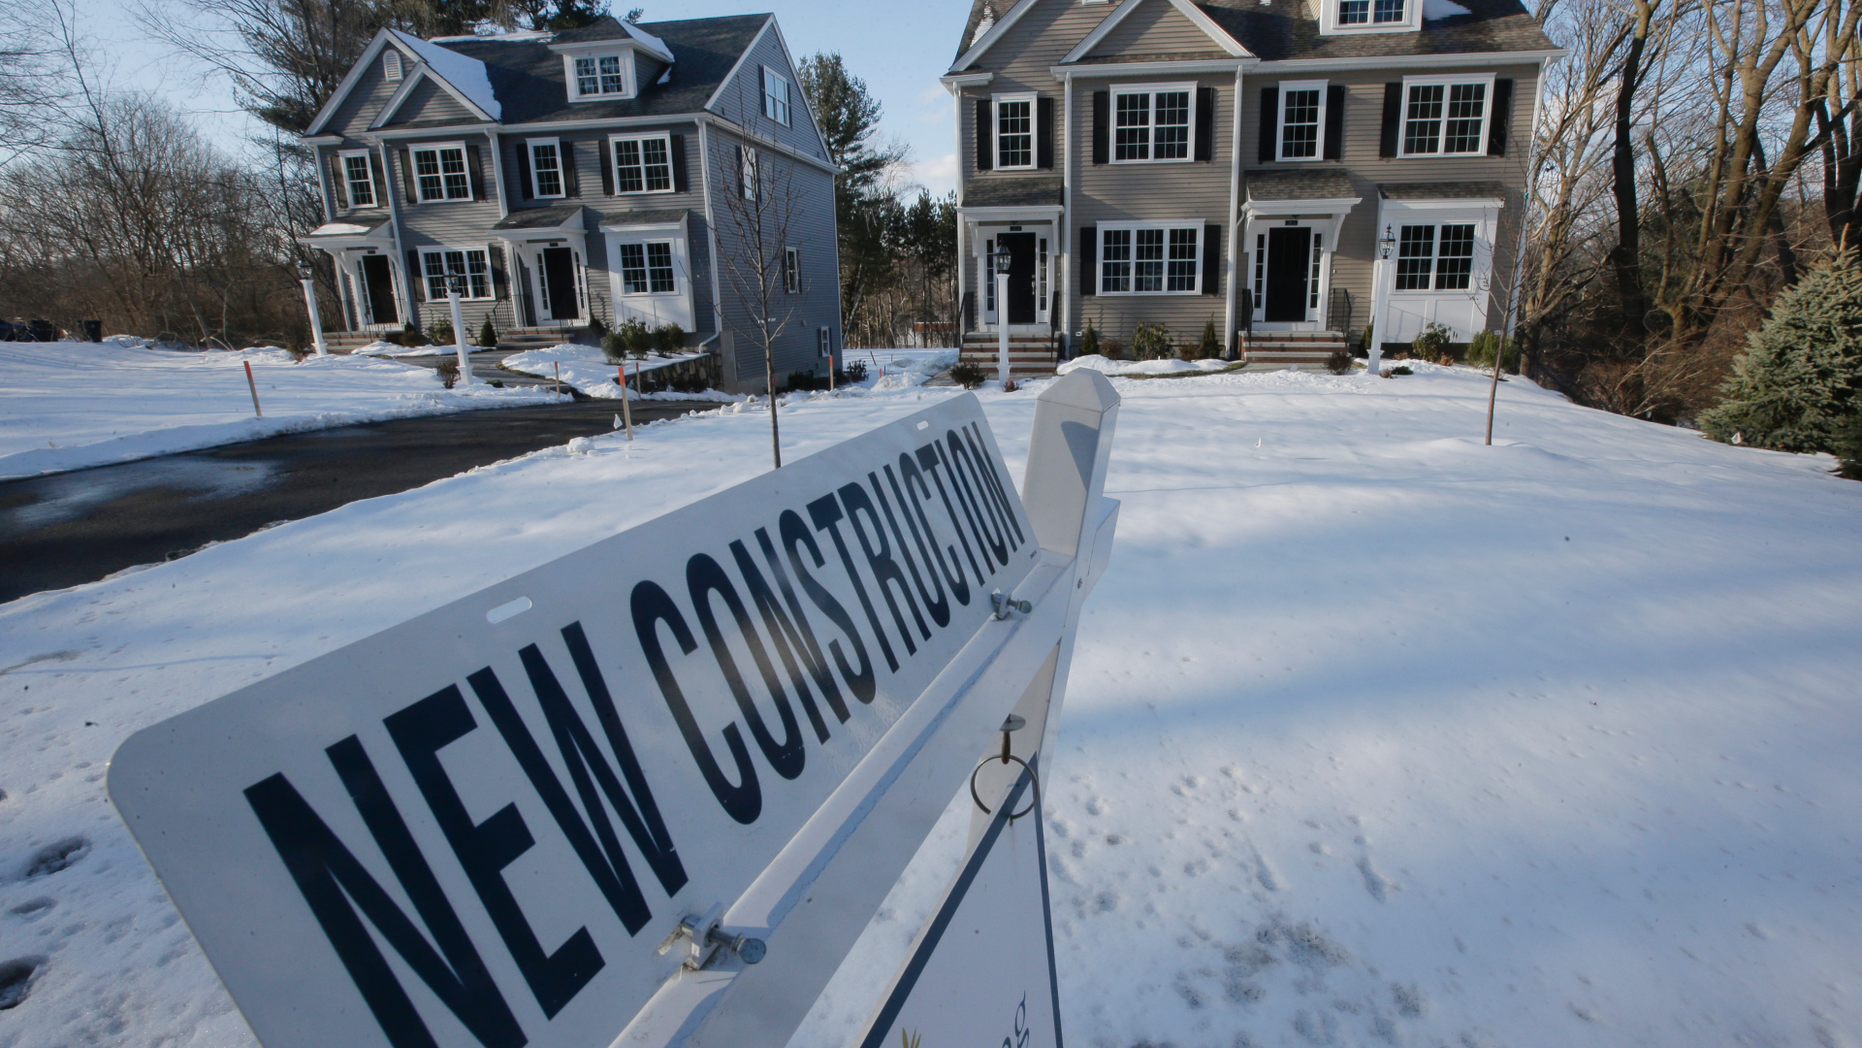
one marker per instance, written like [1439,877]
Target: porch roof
[1323,184]
[542,217]
[644,218]
[1012,191]
[1443,191]
[363,230]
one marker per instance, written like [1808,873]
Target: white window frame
[995,130]
[629,86]
[536,175]
[646,244]
[1331,24]
[466,252]
[1477,277]
[791,271]
[1280,139]
[747,175]
[1441,136]
[436,148]
[1152,90]
[1196,260]
[614,160]
[368,165]
[777,105]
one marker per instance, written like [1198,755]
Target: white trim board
[1184,7]
[1122,69]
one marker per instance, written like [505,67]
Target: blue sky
[899,49]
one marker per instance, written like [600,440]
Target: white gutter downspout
[711,240]
[1066,221]
[1525,210]
[398,263]
[1233,225]
[957,91]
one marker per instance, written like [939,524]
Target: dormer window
[1369,16]
[599,75]
[1362,12]
[595,75]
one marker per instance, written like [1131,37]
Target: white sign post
[576,805]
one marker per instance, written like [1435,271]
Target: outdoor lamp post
[307,277]
[1380,300]
[1002,258]
[455,286]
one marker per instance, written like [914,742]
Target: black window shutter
[414,276]
[523,171]
[1044,133]
[1205,123]
[1212,259]
[1496,124]
[571,178]
[1393,120]
[607,168]
[381,180]
[407,176]
[339,183]
[478,188]
[1270,122]
[499,282]
[1335,122]
[1089,264]
[1102,104]
[678,164]
[985,154]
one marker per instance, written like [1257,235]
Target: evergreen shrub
[1210,348]
[1799,384]
[441,332]
[1089,341]
[1151,342]
[488,335]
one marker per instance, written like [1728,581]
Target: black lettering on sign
[972,509]
[330,878]
[651,606]
[928,459]
[795,534]
[703,577]
[976,492]
[790,637]
[484,849]
[928,549]
[936,604]
[605,862]
[878,551]
[986,466]
[826,514]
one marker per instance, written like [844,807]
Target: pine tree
[1800,381]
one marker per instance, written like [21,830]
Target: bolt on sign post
[653,791]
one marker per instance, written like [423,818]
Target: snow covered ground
[588,369]
[69,405]
[1374,735]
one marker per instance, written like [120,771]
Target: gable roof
[1189,10]
[1289,29]
[522,79]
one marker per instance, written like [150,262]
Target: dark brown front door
[559,282]
[378,285]
[1289,265]
[1021,276]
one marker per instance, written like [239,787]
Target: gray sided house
[599,174]
[1293,170]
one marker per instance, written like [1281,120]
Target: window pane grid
[1422,127]
[1115,262]
[475,266]
[1415,258]
[1467,104]
[548,168]
[633,269]
[1182,271]
[1354,12]
[659,267]
[1312,285]
[1148,271]
[1300,127]
[1388,11]
[1014,134]
[989,275]
[642,165]
[611,83]
[1134,127]
[1172,137]
[600,75]
[361,186]
[1454,265]
[586,82]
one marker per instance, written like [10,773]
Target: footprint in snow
[56,857]
[16,980]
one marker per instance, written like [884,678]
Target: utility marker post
[254,387]
[307,277]
[627,412]
[455,283]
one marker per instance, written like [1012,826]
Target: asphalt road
[72,528]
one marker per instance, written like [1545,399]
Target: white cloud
[939,174]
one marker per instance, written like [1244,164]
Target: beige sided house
[1246,161]
[601,173]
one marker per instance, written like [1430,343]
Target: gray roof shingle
[1443,190]
[527,76]
[1012,191]
[1318,184]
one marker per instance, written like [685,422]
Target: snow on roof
[466,75]
[513,34]
[1433,9]
[648,40]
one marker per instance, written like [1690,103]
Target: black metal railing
[1340,318]
[966,315]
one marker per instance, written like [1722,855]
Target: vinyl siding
[429,103]
[365,100]
[741,99]
[1196,192]
[1154,28]
[810,230]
